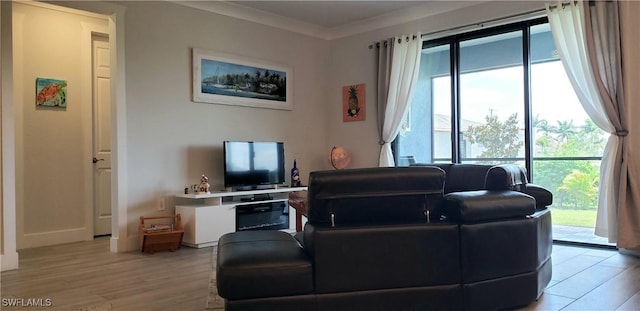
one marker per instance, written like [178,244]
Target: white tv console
[207,216]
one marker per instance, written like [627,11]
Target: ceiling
[330,19]
[329,14]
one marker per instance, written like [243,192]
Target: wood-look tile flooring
[83,275]
[86,276]
[587,279]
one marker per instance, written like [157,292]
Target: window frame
[453,41]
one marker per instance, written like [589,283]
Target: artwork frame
[354,106]
[221,78]
[51,93]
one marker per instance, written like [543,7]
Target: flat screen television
[249,164]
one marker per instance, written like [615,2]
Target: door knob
[96,160]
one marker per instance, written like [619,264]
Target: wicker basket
[160,236]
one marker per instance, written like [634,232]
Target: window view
[478,115]
[426,139]
[492,99]
[567,146]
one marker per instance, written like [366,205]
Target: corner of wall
[9,256]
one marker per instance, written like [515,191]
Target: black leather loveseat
[456,237]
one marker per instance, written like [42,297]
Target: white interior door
[101,136]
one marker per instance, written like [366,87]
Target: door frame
[115,13]
[120,241]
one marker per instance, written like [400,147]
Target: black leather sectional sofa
[445,237]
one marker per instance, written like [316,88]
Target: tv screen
[251,164]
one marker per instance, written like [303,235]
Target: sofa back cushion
[471,177]
[383,257]
[370,196]
[506,177]
[464,177]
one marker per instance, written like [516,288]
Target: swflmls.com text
[27,302]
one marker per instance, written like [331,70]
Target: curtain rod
[377,44]
[489,23]
[472,27]
[492,23]
[563,4]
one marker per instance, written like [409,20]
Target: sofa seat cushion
[256,264]
[483,205]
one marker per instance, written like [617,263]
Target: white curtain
[592,61]
[402,78]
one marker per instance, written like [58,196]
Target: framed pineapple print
[353,103]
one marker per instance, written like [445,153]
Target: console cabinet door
[214,221]
[204,225]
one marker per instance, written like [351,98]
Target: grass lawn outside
[573,217]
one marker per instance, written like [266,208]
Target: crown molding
[401,16]
[409,14]
[258,16]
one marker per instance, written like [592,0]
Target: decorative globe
[339,158]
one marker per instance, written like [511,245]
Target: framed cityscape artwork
[221,78]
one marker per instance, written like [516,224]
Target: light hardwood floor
[82,275]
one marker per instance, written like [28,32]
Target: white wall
[353,62]
[51,143]
[172,140]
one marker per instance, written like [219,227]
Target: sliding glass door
[426,130]
[567,145]
[501,95]
[492,99]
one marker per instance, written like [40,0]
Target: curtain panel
[588,41]
[398,67]
[629,211]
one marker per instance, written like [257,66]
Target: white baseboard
[31,240]
[9,261]
[115,245]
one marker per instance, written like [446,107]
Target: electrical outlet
[161,206]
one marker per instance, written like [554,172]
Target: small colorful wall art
[353,103]
[51,92]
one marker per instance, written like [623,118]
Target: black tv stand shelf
[257,198]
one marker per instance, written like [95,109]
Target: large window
[501,95]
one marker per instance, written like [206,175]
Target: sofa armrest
[543,196]
[483,205]
[506,177]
